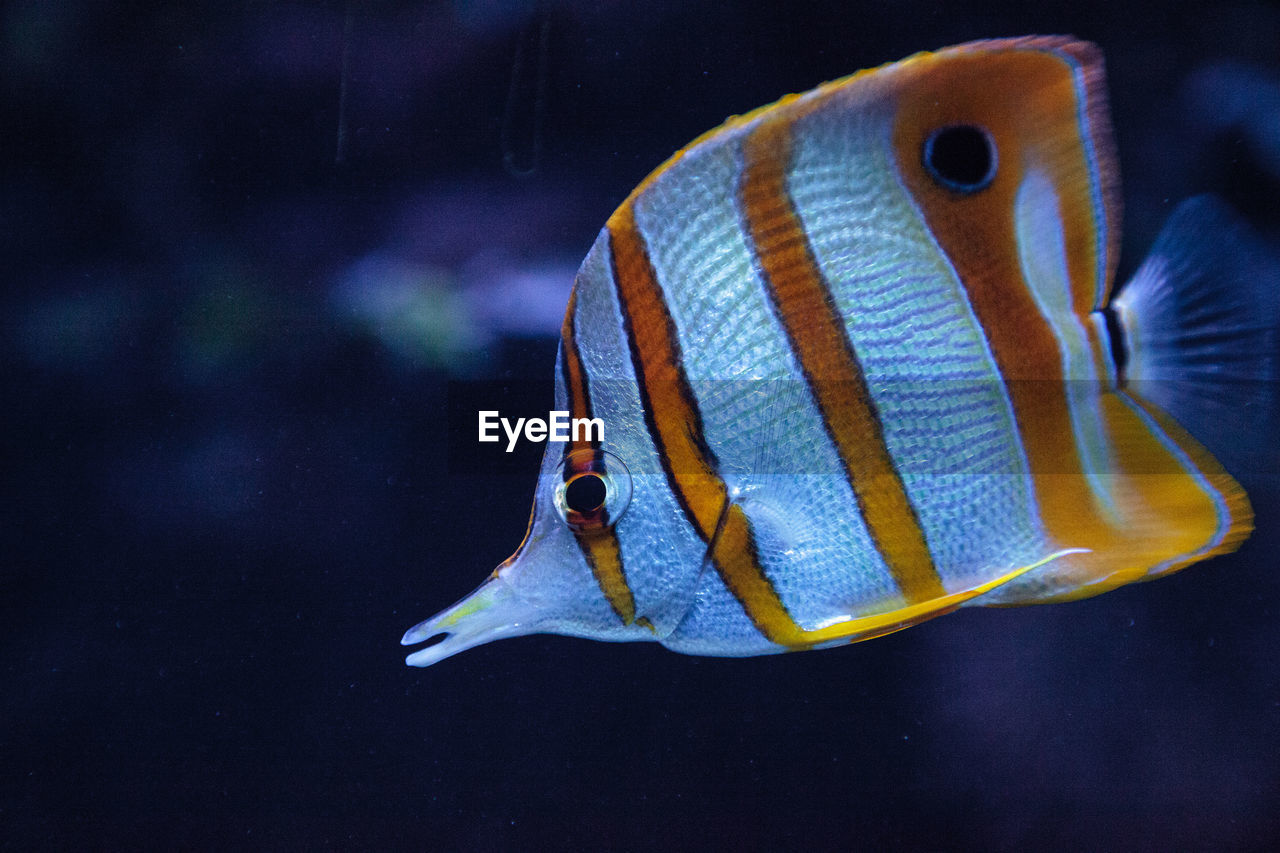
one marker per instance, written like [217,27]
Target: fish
[860,362]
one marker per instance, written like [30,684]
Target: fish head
[567,577]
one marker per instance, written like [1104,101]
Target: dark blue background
[228,491]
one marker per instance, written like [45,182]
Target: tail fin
[1201,333]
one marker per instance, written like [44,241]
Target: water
[247,249]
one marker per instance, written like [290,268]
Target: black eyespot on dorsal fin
[960,157]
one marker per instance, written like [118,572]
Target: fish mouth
[491,612]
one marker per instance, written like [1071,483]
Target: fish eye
[593,489]
[961,157]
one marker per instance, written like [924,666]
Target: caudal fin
[1201,333]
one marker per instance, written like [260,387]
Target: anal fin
[857,629]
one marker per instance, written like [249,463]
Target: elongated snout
[492,612]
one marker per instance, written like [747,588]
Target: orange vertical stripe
[599,546]
[976,232]
[1166,520]
[674,422]
[819,339]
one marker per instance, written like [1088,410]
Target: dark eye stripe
[599,546]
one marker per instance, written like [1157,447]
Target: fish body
[856,355]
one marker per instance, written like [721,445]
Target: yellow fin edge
[879,624]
